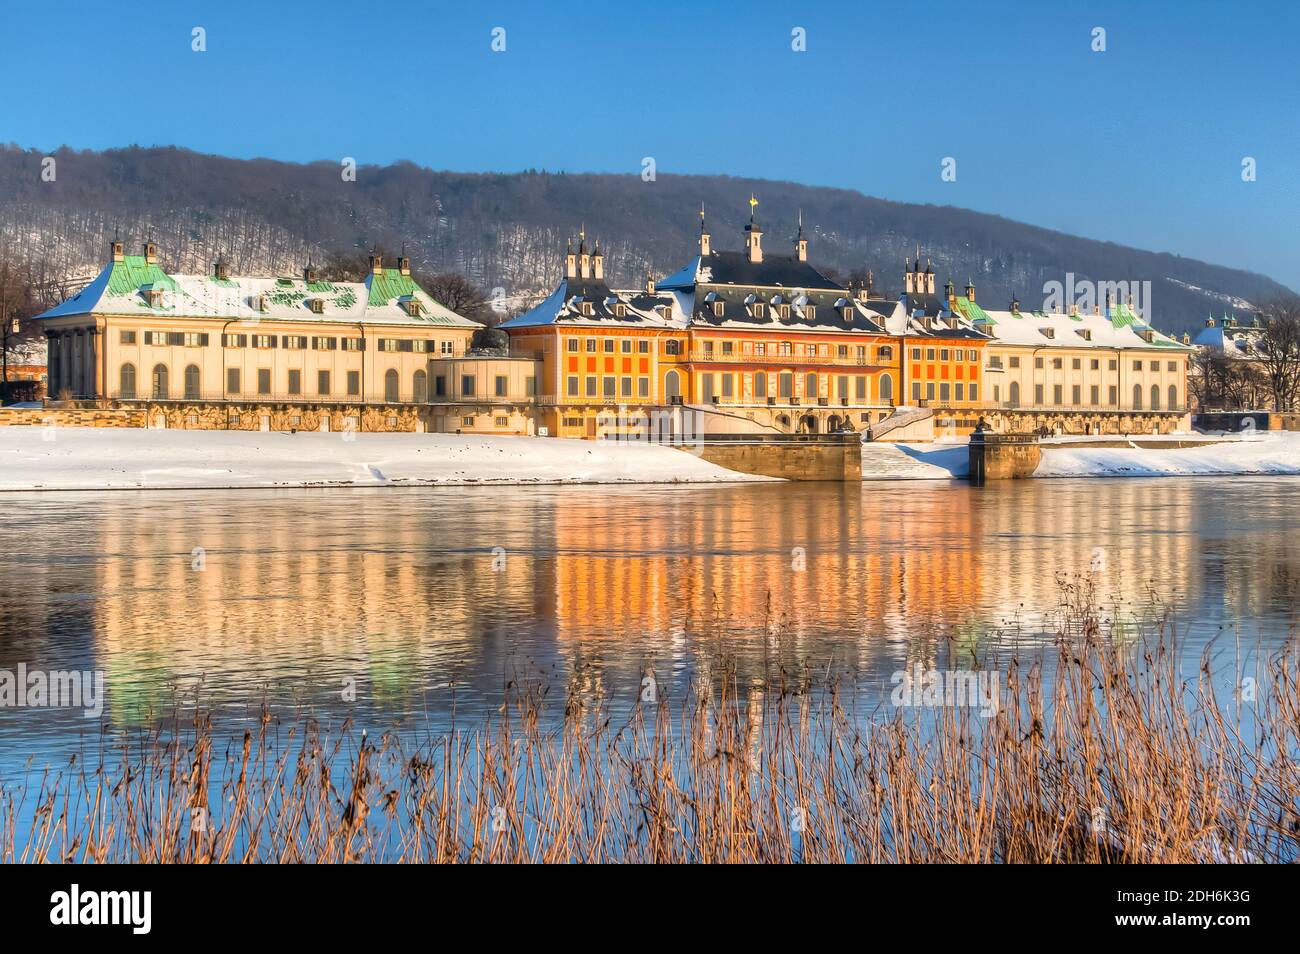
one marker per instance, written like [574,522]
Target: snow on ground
[1274,453]
[69,458]
[937,461]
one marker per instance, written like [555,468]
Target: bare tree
[1279,351]
[455,291]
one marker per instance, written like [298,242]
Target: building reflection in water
[422,596]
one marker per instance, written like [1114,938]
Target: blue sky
[1141,144]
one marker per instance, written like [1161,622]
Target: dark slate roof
[735,268]
[828,312]
[564,306]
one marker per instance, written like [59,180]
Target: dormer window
[1147,335]
[317,305]
[756,309]
[587,309]
[784,310]
[262,303]
[412,308]
[620,310]
[847,312]
[809,311]
[155,297]
[1085,334]
[1047,332]
[718,308]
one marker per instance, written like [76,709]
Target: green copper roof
[389,284]
[1122,317]
[973,312]
[133,272]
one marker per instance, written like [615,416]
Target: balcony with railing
[772,359]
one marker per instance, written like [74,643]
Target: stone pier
[1002,456]
[790,456]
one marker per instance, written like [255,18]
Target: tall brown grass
[1102,751]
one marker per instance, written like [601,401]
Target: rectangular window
[916,390]
[1171,365]
[706,387]
[263,341]
[974,391]
[608,387]
[1038,362]
[500,421]
[467,385]
[354,344]
[609,346]
[232,380]
[591,345]
[467,421]
[591,385]
[626,345]
[643,347]
[500,385]
[643,387]
[322,382]
[1056,363]
[295,342]
[1038,394]
[354,383]
[860,388]
[726,347]
[1096,366]
[127,337]
[1076,364]
[1137,365]
[1094,395]
[785,384]
[1113,396]
[530,386]
[945,392]
[916,354]
[929,391]
[420,346]
[959,391]
[572,389]
[234,341]
[727,384]
[929,354]
[295,381]
[263,380]
[440,385]
[1076,395]
[1015,362]
[324,344]
[625,387]
[943,354]
[571,344]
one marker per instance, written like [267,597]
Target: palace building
[754,342]
[219,350]
[744,342]
[1104,372]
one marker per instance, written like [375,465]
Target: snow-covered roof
[135,286]
[1230,337]
[578,301]
[1122,328]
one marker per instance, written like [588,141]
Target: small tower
[704,234]
[801,243]
[404,263]
[151,252]
[1015,305]
[597,263]
[309,274]
[570,261]
[753,234]
[970,290]
[116,250]
[871,282]
[908,287]
[376,262]
[929,277]
[584,257]
[950,294]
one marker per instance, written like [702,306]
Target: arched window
[391,394]
[886,388]
[1137,397]
[126,381]
[419,388]
[1014,397]
[1173,397]
[672,381]
[1155,397]
[160,388]
[192,383]
[760,384]
[672,346]
[886,353]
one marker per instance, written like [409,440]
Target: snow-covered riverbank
[34,458]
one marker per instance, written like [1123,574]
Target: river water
[408,608]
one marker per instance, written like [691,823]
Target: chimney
[116,251]
[376,263]
[597,262]
[404,265]
[151,253]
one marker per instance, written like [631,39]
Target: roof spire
[701,218]
[753,204]
[801,223]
